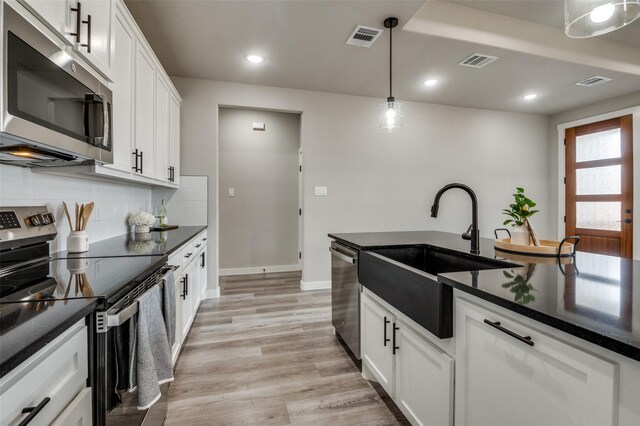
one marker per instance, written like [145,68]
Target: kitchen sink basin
[406,277]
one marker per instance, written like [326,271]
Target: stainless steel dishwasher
[345,296]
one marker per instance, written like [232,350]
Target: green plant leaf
[507,274]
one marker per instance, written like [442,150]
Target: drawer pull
[395,346]
[198,245]
[496,325]
[188,255]
[386,339]
[33,411]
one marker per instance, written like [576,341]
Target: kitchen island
[563,336]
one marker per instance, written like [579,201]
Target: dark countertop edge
[200,228]
[598,339]
[7,366]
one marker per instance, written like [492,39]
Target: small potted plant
[142,221]
[520,212]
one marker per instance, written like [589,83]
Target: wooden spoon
[77,217]
[86,214]
[66,211]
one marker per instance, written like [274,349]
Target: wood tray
[164,228]
[547,248]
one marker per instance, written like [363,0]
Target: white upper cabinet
[145,84]
[174,140]
[96,34]
[87,26]
[162,129]
[503,380]
[123,72]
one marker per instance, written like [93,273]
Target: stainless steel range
[28,274]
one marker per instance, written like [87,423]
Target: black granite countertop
[593,297]
[157,244]
[26,327]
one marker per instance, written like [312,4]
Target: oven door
[49,98]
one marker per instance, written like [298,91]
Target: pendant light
[590,18]
[391,112]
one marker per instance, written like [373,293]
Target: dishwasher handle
[342,256]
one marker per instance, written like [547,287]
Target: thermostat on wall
[259,127]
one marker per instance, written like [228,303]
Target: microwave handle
[106,132]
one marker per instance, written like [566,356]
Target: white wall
[377,181]
[186,206]
[259,225]
[113,202]
[628,104]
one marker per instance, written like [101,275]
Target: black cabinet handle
[184,288]
[141,162]
[188,255]
[204,239]
[78,11]
[171,179]
[395,347]
[33,411]
[88,43]
[386,339]
[186,284]
[137,155]
[496,325]
[202,256]
[198,245]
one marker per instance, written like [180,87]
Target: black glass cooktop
[102,278]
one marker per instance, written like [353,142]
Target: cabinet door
[96,41]
[144,87]
[57,14]
[203,273]
[162,128]
[195,289]
[175,350]
[123,73]
[78,413]
[424,380]
[501,380]
[377,350]
[174,138]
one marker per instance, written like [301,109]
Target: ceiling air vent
[593,81]
[364,36]
[478,60]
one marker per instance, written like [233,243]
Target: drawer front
[188,252]
[78,413]
[60,376]
[175,259]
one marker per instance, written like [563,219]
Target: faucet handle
[467,234]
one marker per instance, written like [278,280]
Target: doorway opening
[599,186]
[259,191]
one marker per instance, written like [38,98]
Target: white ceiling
[304,46]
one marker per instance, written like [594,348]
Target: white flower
[142,219]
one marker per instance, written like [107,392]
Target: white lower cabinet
[502,380]
[78,413]
[51,379]
[417,375]
[377,351]
[424,380]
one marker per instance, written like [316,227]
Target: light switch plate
[232,192]
[321,191]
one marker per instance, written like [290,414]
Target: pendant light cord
[391,62]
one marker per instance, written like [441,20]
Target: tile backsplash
[113,201]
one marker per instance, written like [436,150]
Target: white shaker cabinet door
[424,380]
[145,82]
[377,351]
[174,139]
[162,129]
[96,41]
[502,381]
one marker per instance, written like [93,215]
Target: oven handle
[122,316]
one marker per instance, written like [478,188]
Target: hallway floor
[264,353]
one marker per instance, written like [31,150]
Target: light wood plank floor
[264,353]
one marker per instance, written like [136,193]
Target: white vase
[77,242]
[142,229]
[520,235]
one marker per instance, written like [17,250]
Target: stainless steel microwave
[54,111]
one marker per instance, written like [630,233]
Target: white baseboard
[213,294]
[315,285]
[258,270]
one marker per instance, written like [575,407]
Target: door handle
[386,339]
[497,326]
[395,346]
[342,256]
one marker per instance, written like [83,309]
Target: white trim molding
[314,285]
[258,270]
[213,293]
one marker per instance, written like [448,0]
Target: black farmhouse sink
[406,278]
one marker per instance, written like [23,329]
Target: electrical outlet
[232,192]
[320,191]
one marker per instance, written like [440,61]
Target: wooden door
[599,186]
[424,380]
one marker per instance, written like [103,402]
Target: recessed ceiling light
[254,59]
[530,97]
[430,82]
[602,13]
